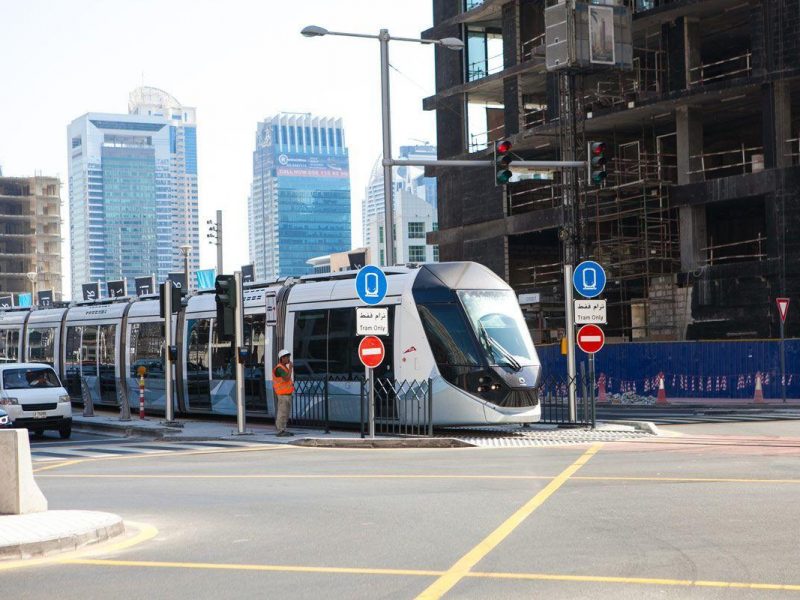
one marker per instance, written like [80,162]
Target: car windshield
[497,319]
[31,377]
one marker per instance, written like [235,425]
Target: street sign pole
[371,408]
[783,366]
[239,343]
[571,374]
[169,413]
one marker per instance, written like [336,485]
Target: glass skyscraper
[299,205]
[133,197]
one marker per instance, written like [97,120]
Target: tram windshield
[497,320]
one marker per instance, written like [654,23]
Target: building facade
[30,235]
[133,192]
[695,222]
[415,211]
[299,205]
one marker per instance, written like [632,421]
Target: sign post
[570,327]
[371,352]
[169,414]
[238,328]
[783,310]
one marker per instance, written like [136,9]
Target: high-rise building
[414,210]
[299,205]
[30,235]
[133,196]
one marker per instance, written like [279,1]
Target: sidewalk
[38,534]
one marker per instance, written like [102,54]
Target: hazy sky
[237,61]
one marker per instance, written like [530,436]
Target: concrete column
[19,494]
[689,140]
[776,114]
[691,48]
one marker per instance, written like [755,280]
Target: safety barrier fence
[554,398]
[402,407]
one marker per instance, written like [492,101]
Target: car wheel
[65,432]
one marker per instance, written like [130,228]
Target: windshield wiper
[512,362]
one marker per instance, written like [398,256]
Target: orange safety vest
[282,386]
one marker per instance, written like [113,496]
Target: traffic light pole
[388,200]
[219,242]
[541,164]
[238,344]
[169,408]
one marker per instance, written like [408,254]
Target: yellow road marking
[156,454]
[144,532]
[431,573]
[455,573]
[414,476]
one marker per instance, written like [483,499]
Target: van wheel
[65,432]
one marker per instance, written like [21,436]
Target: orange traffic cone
[601,388]
[758,397]
[662,392]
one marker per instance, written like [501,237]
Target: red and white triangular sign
[783,307]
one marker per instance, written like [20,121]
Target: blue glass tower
[299,203]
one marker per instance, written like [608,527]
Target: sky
[237,62]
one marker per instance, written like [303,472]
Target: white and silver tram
[455,323]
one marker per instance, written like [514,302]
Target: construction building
[30,235]
[694,223]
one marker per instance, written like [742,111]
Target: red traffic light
[503,147]
[598,148]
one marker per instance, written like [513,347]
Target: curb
[125,428]
[63,543]
[382,443]
[647,426]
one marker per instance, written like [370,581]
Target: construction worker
[283,388]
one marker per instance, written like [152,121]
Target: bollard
[142,371]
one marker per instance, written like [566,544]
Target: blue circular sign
[589,279]
[371,284]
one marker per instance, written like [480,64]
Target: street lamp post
[215,237]
[32,275]
[185,249]
[384,38]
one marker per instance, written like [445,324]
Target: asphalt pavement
[695,514]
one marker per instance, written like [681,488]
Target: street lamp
[185,249]
[32,275]
[384,38]
[214,236]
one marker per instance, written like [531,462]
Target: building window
[435,226]
[416,253]
[380,240]
[416,230]
[436,254]
[382,258]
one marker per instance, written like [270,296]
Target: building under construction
[697,221]
[30,235]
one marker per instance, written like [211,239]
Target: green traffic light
[503,177]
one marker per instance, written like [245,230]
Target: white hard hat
[283,353]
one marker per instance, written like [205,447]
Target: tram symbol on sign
[589,279]
[371,284]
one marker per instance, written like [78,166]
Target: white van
[33,397]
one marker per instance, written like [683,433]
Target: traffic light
[225,288]
[502,160]
[596,163]
[175,299]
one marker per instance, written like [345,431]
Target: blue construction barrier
[708,370]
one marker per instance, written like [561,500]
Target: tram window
[106,335]
[255,342]
[222,359]
[88,363]
[310,342]
[198,332]
[147,346]
[41,345]
[448,334]
[343,344]
[9,345]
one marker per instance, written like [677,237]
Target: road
[711,514]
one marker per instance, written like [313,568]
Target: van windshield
[30,378]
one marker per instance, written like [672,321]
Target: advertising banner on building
[305,165]
[145,285]
[91,291]
[178,279]
[205,279]
[601,35]
[45,298]
[24,300]
[7,301]
[248,274]
[116,289]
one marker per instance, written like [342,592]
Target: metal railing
[721,69]
[310,403]
[480,68]
[554,399]
[533,46]
[744,250]
[401,407]
[745,157]
[484,139]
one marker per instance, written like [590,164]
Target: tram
[457,324]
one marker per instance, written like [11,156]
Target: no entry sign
[371,351]
[591,339]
